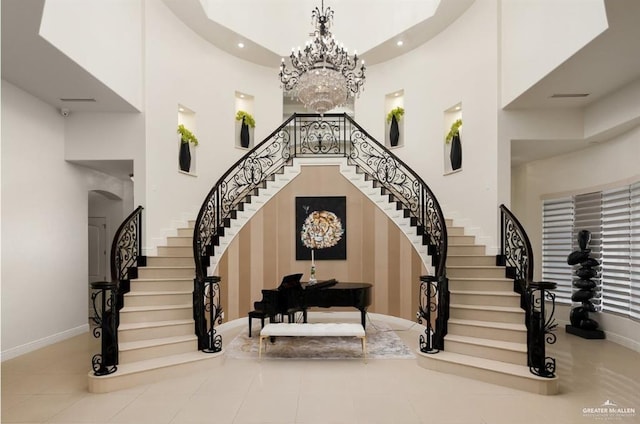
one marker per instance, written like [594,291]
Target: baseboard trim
[14,352]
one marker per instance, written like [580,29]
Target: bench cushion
[315,329]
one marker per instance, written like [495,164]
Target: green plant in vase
[397,112]
[454,131]
[187,136]
[246,116]
[247,121]
[184,157]
[453,137]
[394,117]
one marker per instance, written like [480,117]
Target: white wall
[102,36]
[614,162]
[44,228]
[538,35]
[182,68]
[458,65]
[110,136]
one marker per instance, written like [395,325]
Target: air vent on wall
[568,95]
[77,100]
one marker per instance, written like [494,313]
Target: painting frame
[336,208]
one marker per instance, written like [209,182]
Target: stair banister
[536,297]
[306,135]
[126,257]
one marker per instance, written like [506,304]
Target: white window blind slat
[616,250]
[556,246]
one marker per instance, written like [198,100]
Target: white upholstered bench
[314,330]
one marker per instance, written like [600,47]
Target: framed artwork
[321,225]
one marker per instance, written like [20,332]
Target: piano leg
[363,318]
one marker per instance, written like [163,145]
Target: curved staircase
[156,333]
[487,336]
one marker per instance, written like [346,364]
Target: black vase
[394,132]
[456,152]
[185,157]
[244,134]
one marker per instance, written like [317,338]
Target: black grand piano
[293,296]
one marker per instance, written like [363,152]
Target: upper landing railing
[309,135]
[313,135]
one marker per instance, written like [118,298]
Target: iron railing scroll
[207,313]
[311,135]
[536,298]
[103,320]
[433,312]
[126,257]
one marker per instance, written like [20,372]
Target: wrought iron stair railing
[108,298]
[306,135]
[536,297]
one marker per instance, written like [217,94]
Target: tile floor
[50,386]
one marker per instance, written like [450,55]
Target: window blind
[613,218]
[587,216]
[556,245]
[616,250]
[634,210]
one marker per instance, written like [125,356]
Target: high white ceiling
[373,27]
[605,65]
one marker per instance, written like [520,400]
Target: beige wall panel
[270,247]
[393,268]
[257,250]
[223,273]
[368,244]
[233,278]
[377,251]
[381,265]
[245,266]
[405,276]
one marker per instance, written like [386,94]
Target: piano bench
[261,315]
[314,330]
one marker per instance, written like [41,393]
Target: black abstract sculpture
[585,269]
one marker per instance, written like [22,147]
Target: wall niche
[394,132]
[244,134]
[452,139]
[187,152]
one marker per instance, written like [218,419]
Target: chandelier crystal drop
[322,75]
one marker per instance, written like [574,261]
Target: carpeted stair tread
[157,292]
[154,308]
[153,324]
[474,266]
[169,267]
[498,344]
[486,292]
[489,324]
[489,308]
[164,279]
[124,346]
[481,279]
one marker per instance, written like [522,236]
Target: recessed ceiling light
[400,43]
[181,109]
[242,96]
[568,95]
[457,107]
[397,94]
[241,45]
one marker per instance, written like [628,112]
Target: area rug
[382,343]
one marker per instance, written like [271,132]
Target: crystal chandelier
[322,75]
